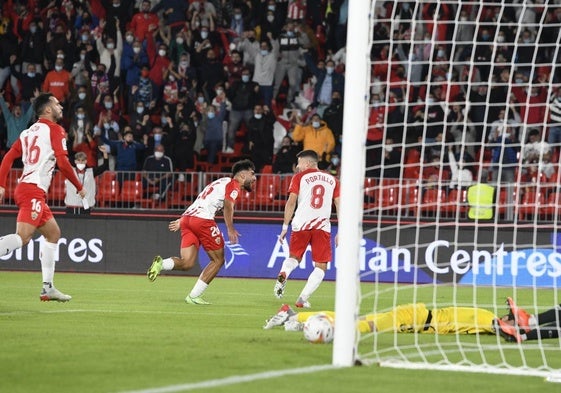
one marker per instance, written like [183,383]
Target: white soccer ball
[318,329]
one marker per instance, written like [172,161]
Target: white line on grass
[212,383]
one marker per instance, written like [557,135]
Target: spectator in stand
[243,94]
[211,73]
[107,107]
[391,160]
[554,135]
[260,135]
[58,44]
[249,47]
[82,97]
[80,69]
[315,136]
[80,136]
[211,125]
[533,103]
[328,81]
[8,48]
[233,67]
[285,159]
[58,82]
[203,12]
[86,174]
[265,65]
[173,13]
[289,60]
[145,91]
[333,116]
[126,150]
[434,117]
[535,148]
[99,81]
[504,159]
[183,141]
[33,47]
[110,55]
[461,176]
[16,120]
[144,22]
[160,64]
[133,60]
[185,75]
[30,82]
[157,173]
[462,128]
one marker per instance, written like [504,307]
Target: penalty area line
[233,380]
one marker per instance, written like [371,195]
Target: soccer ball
[318,329]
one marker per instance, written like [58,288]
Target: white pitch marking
[233,380]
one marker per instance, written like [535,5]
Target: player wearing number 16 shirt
[40,147]
[198,227]
[314,192]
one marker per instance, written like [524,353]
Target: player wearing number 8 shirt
[41,146]
[198,227]
[314,192]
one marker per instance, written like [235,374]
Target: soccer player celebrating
[314,192]
[198,227]
[40,147]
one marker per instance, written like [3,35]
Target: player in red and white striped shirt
[41,146]
[198,227]
[314,192]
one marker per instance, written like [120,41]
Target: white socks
[168,264]
[288,266]
[10,243]
[198,289]
[315,279]
[47,258]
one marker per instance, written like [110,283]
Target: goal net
[461,173]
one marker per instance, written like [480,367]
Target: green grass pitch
[123,333]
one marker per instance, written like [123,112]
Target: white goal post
[442,95]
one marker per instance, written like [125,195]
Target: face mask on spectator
[85,37]
[108,105]
[245,78]
[82,57]
[329,70]
[106,126]
[258,115]
[315,124]
[179,41]
[200,99]
[80,167]
[157,138]
[162,52]
[82,96]
[219,91]
[211,115]
[184,63]
[335,161]
[110,45]
[129,38]
[271,8]
[58,68]
[237,16]
[136,49]
[264,52]
[60,56]
[270,18]
[158,154]
[80,116]
[501,38]
[31,74]
[204,35]
[139,109]
[33,29]
[440,53]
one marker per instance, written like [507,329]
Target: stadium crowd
[210,80]
[217,80]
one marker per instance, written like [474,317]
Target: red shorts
[318,239]
[199,231]
[33,208]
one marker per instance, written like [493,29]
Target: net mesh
[462,93]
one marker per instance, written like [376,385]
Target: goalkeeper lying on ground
[517,325]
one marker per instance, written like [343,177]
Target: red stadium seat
[433,201]
[132,192]
[532,203]
[57,191]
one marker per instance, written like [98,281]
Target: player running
[198,227]
[41,146]
[314,192]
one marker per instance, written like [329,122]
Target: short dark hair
[310,154]
[243,165]
[41,102]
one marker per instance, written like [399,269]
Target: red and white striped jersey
[316,190]
[40,144]
[211,199]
